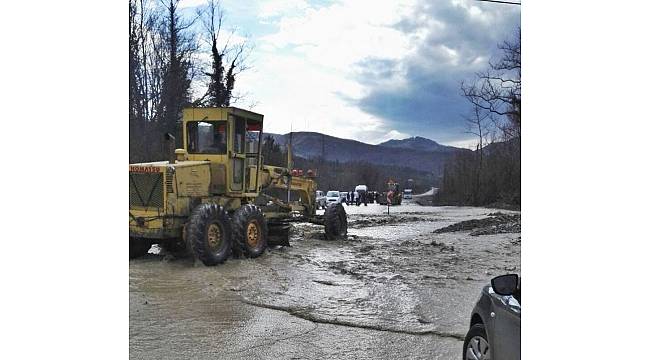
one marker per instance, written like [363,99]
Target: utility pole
[289,163]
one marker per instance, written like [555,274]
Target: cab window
[253,136]
[207,137]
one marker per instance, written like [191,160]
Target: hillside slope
[425,158]
[418,143]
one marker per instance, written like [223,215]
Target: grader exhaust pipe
[171,146]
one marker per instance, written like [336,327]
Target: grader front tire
[209,233]
[336,222]
[250,231]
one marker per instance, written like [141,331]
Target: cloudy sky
[366,70]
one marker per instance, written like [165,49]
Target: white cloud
[304,72]
[343,33]
[295,95]
[191,3]
[393,134]
[467,143]
[317,64]
[272,8]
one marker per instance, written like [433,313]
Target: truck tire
[209,234]
[250,231]
[138,247]
[336,222]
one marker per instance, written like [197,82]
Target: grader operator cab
[215,197]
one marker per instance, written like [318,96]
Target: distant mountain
[424,155]
[419,143]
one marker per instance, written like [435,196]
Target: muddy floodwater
[395,288]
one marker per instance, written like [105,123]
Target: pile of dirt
[383,220]
[495,223]
[425,200]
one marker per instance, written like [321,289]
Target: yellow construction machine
[214,197]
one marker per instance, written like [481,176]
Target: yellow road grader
[214,197]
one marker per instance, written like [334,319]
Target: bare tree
[497,91]
[226,62]
[477,125]
[163,66]
[161,49]
[139,80]
[136,118]
[494,176]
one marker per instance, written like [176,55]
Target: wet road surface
[393,289]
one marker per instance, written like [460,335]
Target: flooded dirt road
[401,286]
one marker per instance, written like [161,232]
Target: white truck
[362,195]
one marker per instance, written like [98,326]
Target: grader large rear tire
[209,233]
[336,222]
[250,231]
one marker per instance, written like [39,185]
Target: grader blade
[279,234]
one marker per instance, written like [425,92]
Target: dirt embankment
[385,220]
[495,223]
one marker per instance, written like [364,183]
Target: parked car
[321,200]
[333,196]
[495,325]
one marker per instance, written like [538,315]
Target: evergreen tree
[221,82]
